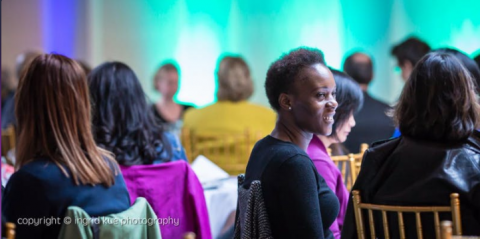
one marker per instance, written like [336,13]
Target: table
[221,201]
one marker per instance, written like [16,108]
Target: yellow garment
[219,132]
[225,117]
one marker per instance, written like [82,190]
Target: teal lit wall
[195,33]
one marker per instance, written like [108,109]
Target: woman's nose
[332,104]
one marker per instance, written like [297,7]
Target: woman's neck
[286,131]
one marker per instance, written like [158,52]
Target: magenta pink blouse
[332,175]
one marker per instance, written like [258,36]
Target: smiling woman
[298,202]
[350,99]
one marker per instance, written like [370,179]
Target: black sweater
[39,191]
[298,201]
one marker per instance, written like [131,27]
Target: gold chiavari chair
[359,157]
[352,161]
[229,151]
[358,206]
[346,164]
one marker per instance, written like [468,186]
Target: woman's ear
[285,101]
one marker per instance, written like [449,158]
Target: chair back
[252,221]
[346,164]
[359,157]
[349,165]
[358,206]
[230,152]
[175,194]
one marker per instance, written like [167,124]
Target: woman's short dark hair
[283,72]
[349,98]
[438,102]
[122,120]
[467,62]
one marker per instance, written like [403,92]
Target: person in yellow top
[232,115]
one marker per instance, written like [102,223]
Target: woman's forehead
[316,75]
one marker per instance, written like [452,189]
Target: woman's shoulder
[277,152]
[384,147]
[36,173]
[474,141]
[40,168]
[280,148]
[297,166]
[325,162]
[192,114]
[298,161]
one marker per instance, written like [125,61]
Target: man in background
[372,122]
[408,53]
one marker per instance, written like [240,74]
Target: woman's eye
[320,95]
[334,94]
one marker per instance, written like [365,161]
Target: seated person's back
[58,162]
[40,190]
[226,130]
[437,154]
[232,114]
[410,172]
[226,117]
[123,122]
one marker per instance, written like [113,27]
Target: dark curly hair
[283,72]
[122,121]
[438,102]
[349,97]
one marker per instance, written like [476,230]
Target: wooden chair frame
[230,152]
[354,161]
[454,209]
